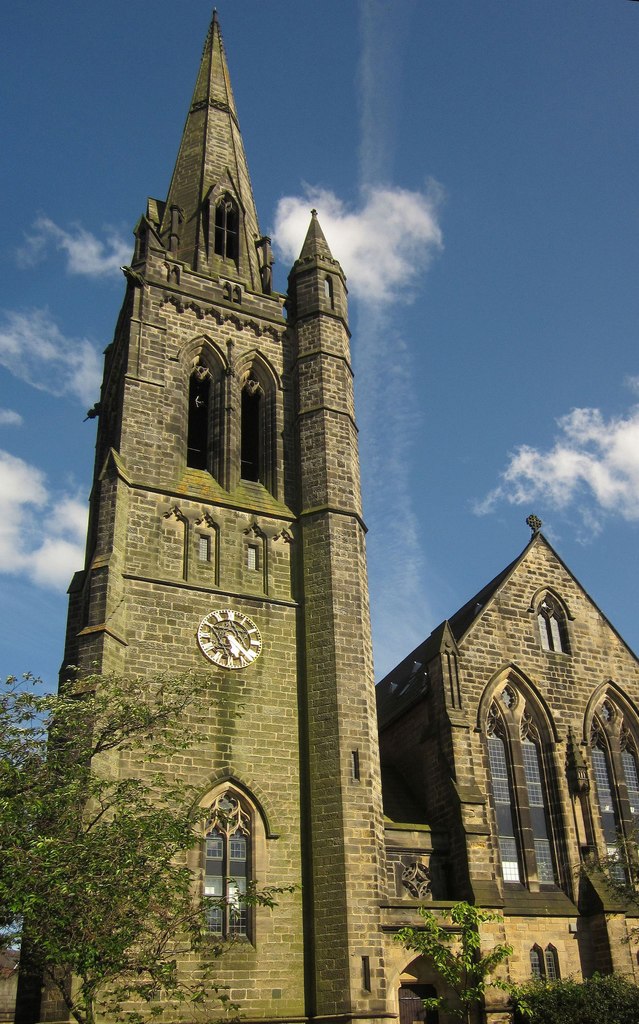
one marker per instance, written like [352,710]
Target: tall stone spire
[210,166]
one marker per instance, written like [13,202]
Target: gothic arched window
[537,962]
[544,963]
[615,765]
[552,625]
[227,228]
[227,872]
[199,424]
[252,431]
[518,774]
[551,961]
[205,425]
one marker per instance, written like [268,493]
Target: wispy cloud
[10,418]
[384,243]
[592,469]
[383,29]
[41,533]
[34,349]
[85,253]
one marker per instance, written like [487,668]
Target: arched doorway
[411,1005]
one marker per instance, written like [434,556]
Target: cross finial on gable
[535,524]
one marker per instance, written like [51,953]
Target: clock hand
[236,648]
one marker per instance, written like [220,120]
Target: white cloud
[33,348]
[41,534]
[383,246]
[594,462]
[10,418]
[86,254]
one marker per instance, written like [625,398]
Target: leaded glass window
[521,799]
[499,774]
[226,868]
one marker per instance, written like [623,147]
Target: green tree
[455,952]
[601,999]
[93,875]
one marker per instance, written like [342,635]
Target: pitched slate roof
[408,681]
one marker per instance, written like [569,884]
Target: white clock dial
[229,638]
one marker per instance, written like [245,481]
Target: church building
[226,534]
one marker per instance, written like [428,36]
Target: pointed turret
[315,243]
[209,221]
[316,282]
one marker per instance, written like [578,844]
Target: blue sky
[474,164]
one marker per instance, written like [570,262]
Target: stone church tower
[226,535]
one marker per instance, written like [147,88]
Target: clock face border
[230,639]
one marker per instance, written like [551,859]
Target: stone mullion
[523,816]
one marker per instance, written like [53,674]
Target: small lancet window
[551,961]
[537,962]
[199,418]
[552,626]
[328,291]
[227,225]
[227,868]
[251,446]
[204,548]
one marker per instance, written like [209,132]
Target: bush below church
[601,999]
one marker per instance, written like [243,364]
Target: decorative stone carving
[494,726]
[284,536]
[175,512]
[227,816]
[508,697]
[206,519]
[576,768]
[416,878]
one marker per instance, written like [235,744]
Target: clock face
[229,638]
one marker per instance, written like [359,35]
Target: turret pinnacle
[209,220]
[315,243]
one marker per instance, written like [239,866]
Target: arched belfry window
[252,431]
[519,775]
[227,872]
[227,228]
[615,765]
[199,425]
[552,625]
[205,429]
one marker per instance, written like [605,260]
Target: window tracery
[520,792]
[227,867]
[615,763]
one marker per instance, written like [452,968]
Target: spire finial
[535,524]
[313,213]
